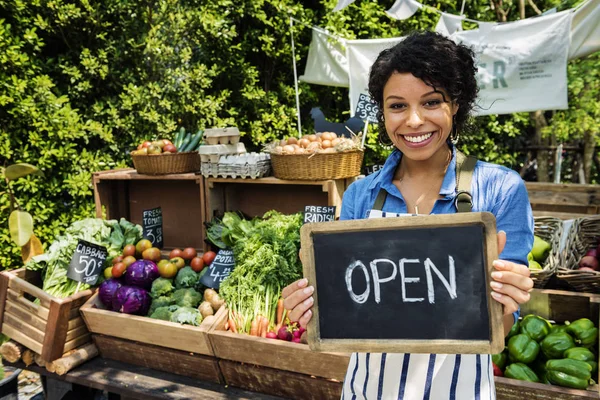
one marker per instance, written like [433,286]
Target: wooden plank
[73,313]
[278,354]
[75,333]
[26,316]
[279,383]
[30,306]
[3,296]
[160,358]
[560,305]
[56,331]
[24,328]
[142,383]
[269,180]
[75,322]
[79,299]
[15,334]
[131,174]
[77,342]
[146,330]
[512,389]
[557,214]
[21,286]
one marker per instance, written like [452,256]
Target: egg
[287,149]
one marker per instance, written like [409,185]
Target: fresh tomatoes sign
[219,269]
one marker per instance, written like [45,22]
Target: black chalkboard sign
[87,262]
[220,269]
[410,284]
[319,214]
[366,108]
[152,226]
[371,169]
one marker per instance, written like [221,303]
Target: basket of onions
[321,156]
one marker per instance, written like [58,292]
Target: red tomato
[118,269]
[208,257]
[175,253]
[197,264]
[189,253]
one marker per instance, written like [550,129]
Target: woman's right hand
[298,300]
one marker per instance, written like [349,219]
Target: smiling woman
[425,88]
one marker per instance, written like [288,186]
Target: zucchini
[191,146]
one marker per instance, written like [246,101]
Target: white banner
[327,63]
[522,66]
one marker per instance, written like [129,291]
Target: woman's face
[417,118]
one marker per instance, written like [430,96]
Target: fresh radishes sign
[413,284]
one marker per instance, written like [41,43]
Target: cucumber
[191,146]
[185,142]
[179,137]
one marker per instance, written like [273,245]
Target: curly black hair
[437,61]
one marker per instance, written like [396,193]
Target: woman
[425,88]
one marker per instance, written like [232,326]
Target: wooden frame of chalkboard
[363,324]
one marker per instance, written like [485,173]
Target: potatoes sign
[413,284]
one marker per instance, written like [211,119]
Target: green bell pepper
[582,354]
[569,373]
[500,359]
[558,328]
[539,366]
[584,331]
[514,330]
[555,344]
[521,348]
[521,372]
[535,327]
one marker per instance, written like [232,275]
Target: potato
[205,309]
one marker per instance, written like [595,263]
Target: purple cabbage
[131,300]
[107,291]
[141,274]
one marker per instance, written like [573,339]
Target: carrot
[254,326]
[232,325]
[264,327]
[280,310]
[227,325]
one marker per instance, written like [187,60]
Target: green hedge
[82,82]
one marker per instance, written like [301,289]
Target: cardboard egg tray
[216,136]
[212,153]
[253,165]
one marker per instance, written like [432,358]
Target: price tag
[319,214]
[366,108]
[220,269]
[152,225]
[86,262]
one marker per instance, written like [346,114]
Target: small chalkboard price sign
[152,226]
[220,269]
[319,214]
[86,262]
[404,285]
[366,108]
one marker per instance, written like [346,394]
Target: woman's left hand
[511,282]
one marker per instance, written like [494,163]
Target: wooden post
[3,295]
[56,330]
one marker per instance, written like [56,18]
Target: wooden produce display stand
[254,197]
[161,345]
[125,193]
[564,201]
[50,327]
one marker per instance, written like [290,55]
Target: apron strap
[380,200]
[465,165]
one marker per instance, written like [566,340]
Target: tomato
[189,253]
[168,270]
[178,261]
[175,253]
[108,272]
[129,260]
[117,259]
[118,269]
[197,264]
[208,257]
[129,250]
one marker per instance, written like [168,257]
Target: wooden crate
[563,199]
[125,193]
[254,197]
[49,327]
[558,306]
[277,367]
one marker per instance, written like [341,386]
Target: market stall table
[126,381]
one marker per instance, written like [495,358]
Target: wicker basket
[582,236]
[319,166]
[550,229]
[162,164]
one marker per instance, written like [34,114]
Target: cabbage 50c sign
[86,262]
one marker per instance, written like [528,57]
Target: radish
[284,334]
[586,269]
[592,253]
[589,262]
[271,335]
[302,330]
[296,340]
[296,334]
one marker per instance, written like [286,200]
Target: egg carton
[215,136]
[212,153]
[253,165]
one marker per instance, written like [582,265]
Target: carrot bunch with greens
[266,256]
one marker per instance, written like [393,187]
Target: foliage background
[83,81]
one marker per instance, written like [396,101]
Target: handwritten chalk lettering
[152,221]
[429,266]
[309,217]
[320,209]
[88,266]
[155,212]
[91,251]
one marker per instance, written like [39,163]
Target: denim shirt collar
[386,175]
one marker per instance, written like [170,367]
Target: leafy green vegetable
[187,315]
[161,287]
[186,297]
[112,234]
[162,301]
[186,278]
[165,313]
